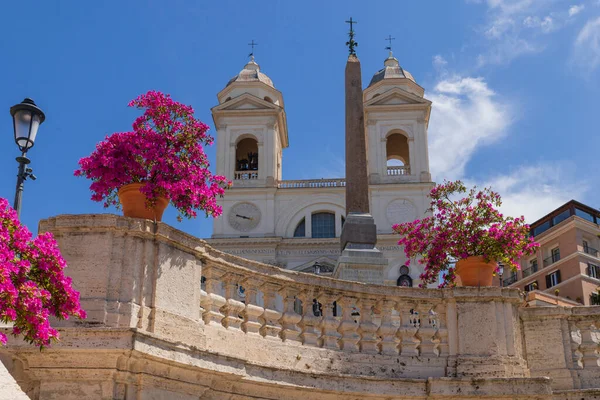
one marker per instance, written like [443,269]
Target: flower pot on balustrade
[133,202]
[475,271]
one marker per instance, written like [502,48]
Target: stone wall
[168,319]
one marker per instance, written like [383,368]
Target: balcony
[245,175]
[590,250]
[551,260]
[530,271]
[312,183]
[509,281]
[400,170]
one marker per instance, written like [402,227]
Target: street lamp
[27,118]
[500,272]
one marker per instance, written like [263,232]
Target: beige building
[568,260]
[296,224]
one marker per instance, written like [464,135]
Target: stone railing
[398,170]
[311,183]
[245,175]
[168,307]
[564,343]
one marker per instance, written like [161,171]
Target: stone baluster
[348,327]
[269,319]
[309,322]
[289,320]
[387,331]
[590,344]
[329,334]
[441,337]
[427,330]
[233,307]
[252,311]
[213,300]
[367,329]
[409,343]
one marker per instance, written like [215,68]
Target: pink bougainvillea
[33,286]
[463,227]
[164,151]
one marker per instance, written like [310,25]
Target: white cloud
[439,62]
[574,10]
[546,24]
[586,50]
[535,190]
[514,28]
[466,115]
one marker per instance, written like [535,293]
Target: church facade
[296,224]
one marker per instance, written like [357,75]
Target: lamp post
[27,118]
[500,272]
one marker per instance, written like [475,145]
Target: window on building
[593,271]
[541,228]
[595,299]
[552,279]
[533,265]
[561,217]
[555,252]
[586,246]
[584,215]
[531,286]
[323,225]
[300,229]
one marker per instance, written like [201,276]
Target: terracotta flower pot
[475,271]
[134,203]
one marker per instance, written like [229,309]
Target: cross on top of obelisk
[252,44]
[389,39]
[351,43]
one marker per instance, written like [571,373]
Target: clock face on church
[401,210]
[244,217]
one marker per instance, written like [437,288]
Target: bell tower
[251,129]
[397,117]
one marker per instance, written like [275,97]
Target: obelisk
[360,260]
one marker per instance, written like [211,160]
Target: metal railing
[509,281]
[312,183]
[551,260]
[398,170]
[530,271]
[590,251]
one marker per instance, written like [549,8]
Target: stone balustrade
[165,308]
[564,343]
[398,170]
[311,183]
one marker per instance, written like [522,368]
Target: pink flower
[32,282]
[164,151]
[468,226]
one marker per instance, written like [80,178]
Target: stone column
[360,260]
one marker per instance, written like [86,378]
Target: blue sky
[515,85]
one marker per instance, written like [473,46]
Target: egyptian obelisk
[360,259]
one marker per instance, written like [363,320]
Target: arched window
[300,229]
[398,158]
[246,158]
[323,225]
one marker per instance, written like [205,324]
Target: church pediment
[246,102]
[324,266]
[395,96]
